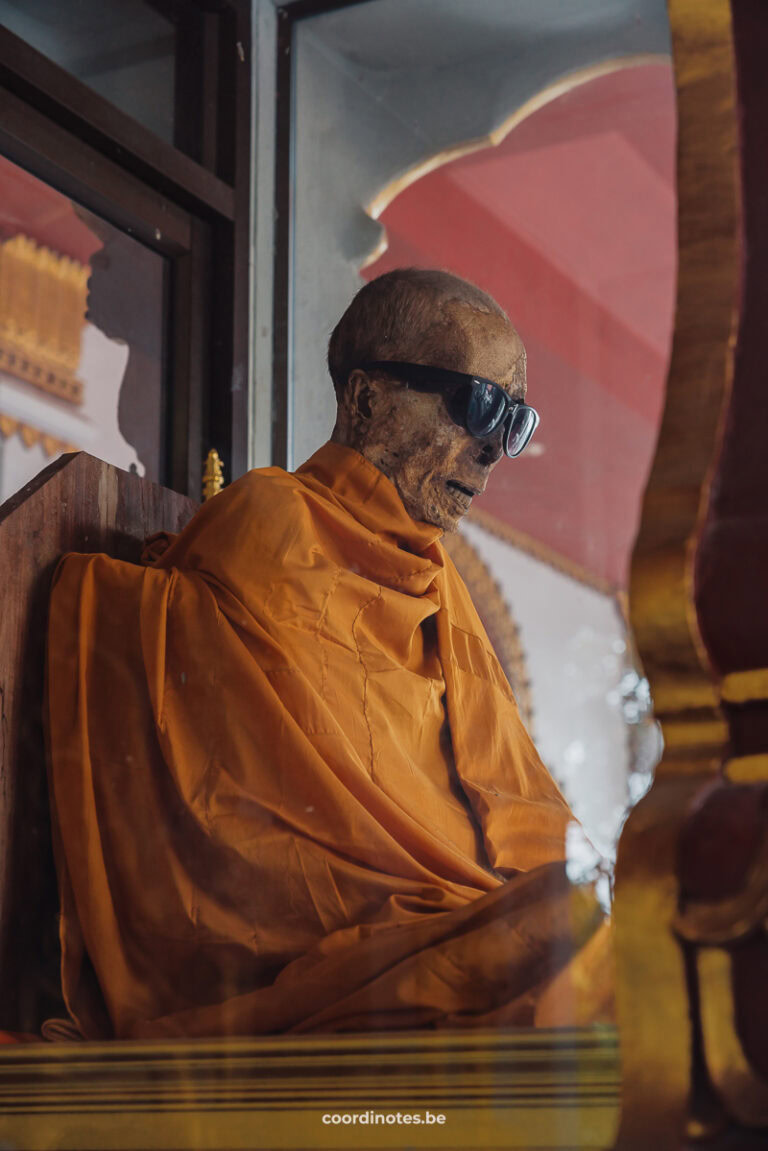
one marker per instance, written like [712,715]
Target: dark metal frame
[193,211]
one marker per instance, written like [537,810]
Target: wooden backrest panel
[77,504]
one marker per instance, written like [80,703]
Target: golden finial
[213,474]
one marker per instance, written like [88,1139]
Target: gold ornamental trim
[673,695]
[701,733]
[745,686]
[30,436]
[498,620]
[539,551]
[213,475]
[747,769]
[43,299]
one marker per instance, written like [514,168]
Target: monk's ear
[362,392]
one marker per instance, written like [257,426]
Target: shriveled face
[435,464]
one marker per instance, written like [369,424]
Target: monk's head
[422,317]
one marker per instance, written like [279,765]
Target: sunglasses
[474,403]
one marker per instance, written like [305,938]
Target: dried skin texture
[410,436]
[406,314]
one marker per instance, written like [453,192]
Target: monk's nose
[492,449]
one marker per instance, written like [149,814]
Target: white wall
[575,647]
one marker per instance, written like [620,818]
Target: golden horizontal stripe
[683,693]
[747,769]
[690,733]
[743,686]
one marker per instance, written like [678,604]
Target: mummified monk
[291,789]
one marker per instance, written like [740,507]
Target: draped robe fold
[290,787]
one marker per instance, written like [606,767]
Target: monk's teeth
[460,488]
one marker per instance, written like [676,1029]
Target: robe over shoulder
[290,787]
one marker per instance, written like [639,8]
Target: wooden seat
[82,504]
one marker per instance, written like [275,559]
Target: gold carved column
[692,870]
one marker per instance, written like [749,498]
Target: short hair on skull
[405,314]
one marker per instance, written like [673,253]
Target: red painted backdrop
[28,205]
[570,224]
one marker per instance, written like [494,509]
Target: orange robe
[290,787]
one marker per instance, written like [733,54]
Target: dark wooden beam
[64,161]
[87,116]
[237,51]
[282,238]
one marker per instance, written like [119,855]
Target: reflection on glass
[536,160]
[122,49]
[81,336]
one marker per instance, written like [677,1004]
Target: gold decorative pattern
[42,315]
[52,445]
[747,769]
[213,475]
[539,551]
[497,619]
[743,686]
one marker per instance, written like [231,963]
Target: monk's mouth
[462,489]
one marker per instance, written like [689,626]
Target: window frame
[195,213]
[288,14]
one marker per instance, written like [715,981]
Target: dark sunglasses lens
[521,424]
[457,402]
[486,408]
